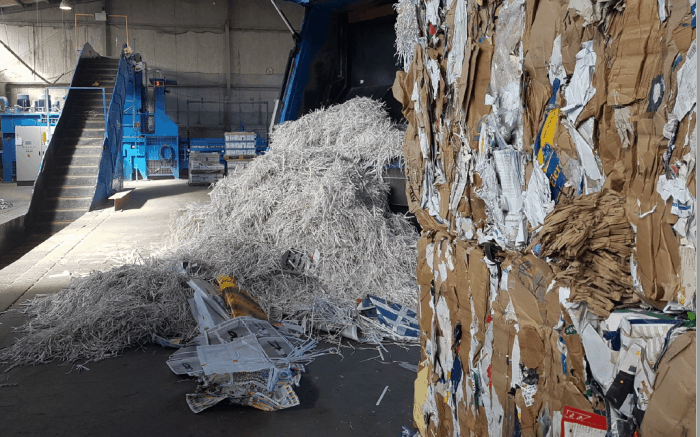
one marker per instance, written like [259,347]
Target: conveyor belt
[78,143]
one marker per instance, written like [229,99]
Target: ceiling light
[65,5]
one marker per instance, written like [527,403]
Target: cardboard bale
[536,171]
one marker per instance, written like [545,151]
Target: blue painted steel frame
[314,29]
[111,174]
[136,148]
[313,32]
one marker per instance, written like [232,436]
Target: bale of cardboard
[550,161]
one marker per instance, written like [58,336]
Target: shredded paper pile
[306,230]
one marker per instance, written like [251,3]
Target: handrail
[114,112]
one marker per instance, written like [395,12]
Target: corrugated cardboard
[671,410]
[521,356]
[637,53]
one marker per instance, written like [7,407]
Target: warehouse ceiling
[10,6]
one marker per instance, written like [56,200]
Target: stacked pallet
[240,145]
[205,168]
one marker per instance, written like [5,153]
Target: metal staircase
[79,161]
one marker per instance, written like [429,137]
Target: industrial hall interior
[302,218]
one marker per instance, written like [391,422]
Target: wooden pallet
[238,157]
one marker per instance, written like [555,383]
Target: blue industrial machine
[345,49]
[150,141]
[152,146]
[8,122]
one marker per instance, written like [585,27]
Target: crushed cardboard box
[550,161]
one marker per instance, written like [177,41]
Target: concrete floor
[137,394]
[18,196]
[12,222]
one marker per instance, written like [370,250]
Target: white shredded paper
[318,193]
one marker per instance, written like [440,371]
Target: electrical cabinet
[30,146]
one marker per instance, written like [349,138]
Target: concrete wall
[183,40]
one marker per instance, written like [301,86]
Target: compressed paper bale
[606,251]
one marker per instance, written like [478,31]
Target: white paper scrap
[465,168]
[508,166]
[538,197]
[586,10]
[683,201]
[573,429]
[629,359]
[431,12]
[599,357]
[687,95]
[556,64]
[580,90]
[434,72]
[459,41]
[465,228]
[516,380]
[662,10]
[383,393]
[445,342]
[415,96]
[625,128]
[529,391]
[586,154]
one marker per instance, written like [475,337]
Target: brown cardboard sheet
[626,76]
[592,244]
[672,408]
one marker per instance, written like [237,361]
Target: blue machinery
[345,49]
[149,149]
[152,146]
